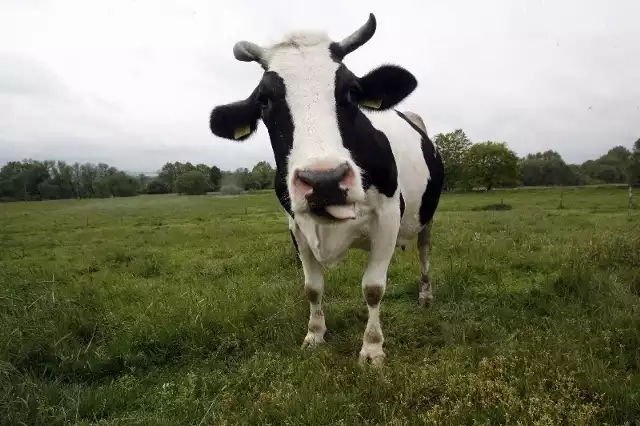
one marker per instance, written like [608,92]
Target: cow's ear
[385,87]
[236,121]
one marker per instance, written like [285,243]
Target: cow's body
[351,172]
[330,242]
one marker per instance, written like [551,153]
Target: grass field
[175,310]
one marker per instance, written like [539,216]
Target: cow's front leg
[313,288]
[384,233]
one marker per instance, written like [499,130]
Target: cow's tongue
[342,212]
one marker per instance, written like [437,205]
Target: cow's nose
[325,180]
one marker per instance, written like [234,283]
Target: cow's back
[414,154]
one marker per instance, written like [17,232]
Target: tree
[243,178]
[262,175]
[35,173]
[491,164]
[581,177]
[634,166]
[546,168]
[45,180]
[157,186]
[453,147]
[611,167]
[215,176]
[168,175]
[12,181]
[192,182]
[62,177]
[49,190]
[122,185]
[184,167]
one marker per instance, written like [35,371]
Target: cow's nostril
[304,178]
[348,176]
[301,183]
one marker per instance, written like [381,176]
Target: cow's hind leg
[425,292]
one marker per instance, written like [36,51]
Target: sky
[132,82]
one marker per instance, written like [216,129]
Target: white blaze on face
[304,63]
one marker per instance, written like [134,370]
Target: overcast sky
[131,82]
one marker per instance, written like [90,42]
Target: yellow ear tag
[371,104]
[241,131]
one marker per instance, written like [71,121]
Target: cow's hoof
[425,293]
[425,301]
[312,340]
[375,356]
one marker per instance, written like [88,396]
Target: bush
[193,182]
[231,190]
[156,186]
[122,185]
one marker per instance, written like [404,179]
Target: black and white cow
[351,172]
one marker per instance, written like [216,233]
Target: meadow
[177,310]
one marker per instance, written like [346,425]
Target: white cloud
[132,82]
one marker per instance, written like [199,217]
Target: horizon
[155,173]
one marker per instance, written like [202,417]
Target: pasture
[176,310]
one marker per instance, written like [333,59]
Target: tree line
[32,180]
[468,166]
[491,164]
[185,178]
[46,180]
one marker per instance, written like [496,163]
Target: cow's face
[311,105]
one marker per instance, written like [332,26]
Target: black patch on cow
[266,102]
[335,52]
[276,116]
[431,195]
[401,205]
[387,84]
[224,120]
[369,147]
[270,96]
[280,186]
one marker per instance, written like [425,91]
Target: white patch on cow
[303,61]
[330,242]
[413,172]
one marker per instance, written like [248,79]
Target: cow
[352,171]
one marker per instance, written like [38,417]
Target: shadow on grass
[492,207]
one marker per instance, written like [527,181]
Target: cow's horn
[248,52]
[359,37]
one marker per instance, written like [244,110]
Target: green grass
[176,310]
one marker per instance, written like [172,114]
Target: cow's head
[312,107]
